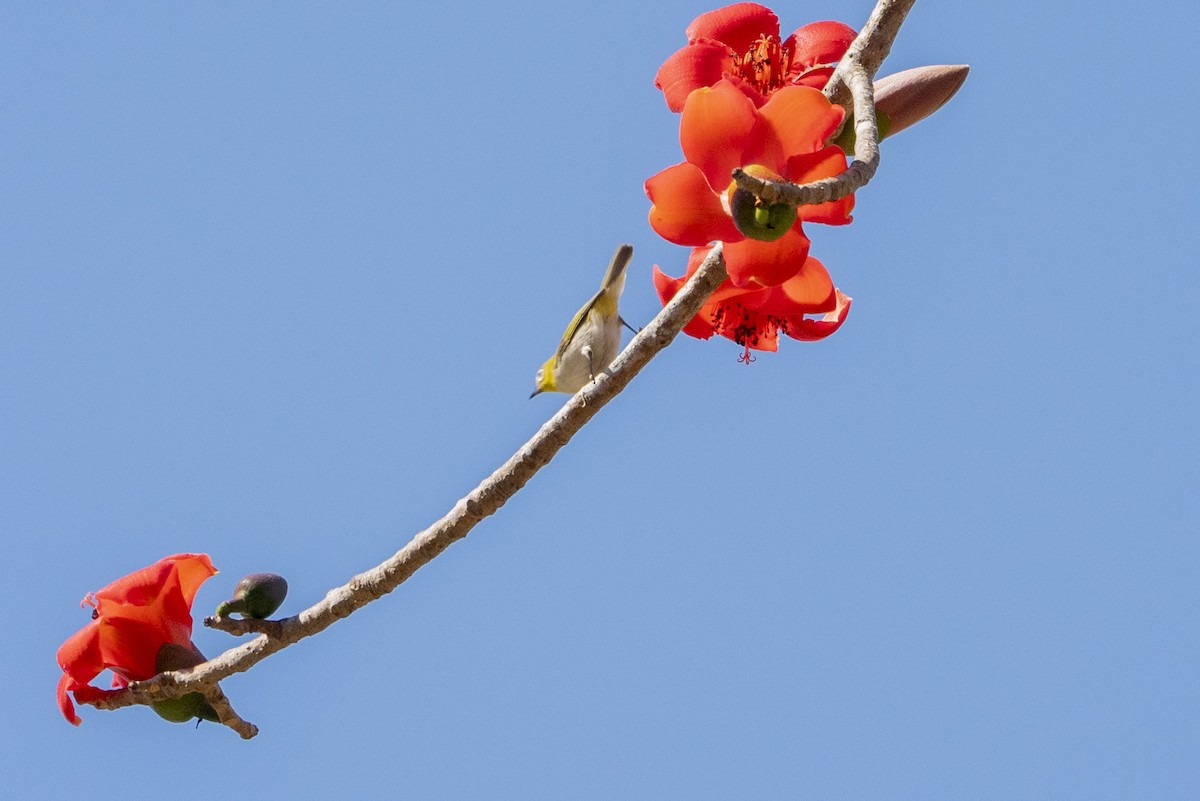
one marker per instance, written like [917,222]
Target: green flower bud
[257,595]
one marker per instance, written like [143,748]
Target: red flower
[741,43]
[132,620]
[722,129]
[754,318]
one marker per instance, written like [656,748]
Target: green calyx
[192,705]
[846,139]
[757,219]
[181,710]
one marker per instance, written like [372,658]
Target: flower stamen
[765,65]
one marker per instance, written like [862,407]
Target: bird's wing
[575,324]
[611,286]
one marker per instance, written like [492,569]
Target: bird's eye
[541,373]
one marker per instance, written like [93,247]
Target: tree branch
[481,502]
[853,76]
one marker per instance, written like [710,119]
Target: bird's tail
[614,278]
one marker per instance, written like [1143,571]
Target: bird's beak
[535,393]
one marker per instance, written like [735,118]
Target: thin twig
[224,709]
[870,47]
[247,625]
[481,502]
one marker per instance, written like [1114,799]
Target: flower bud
[257,595]
[905,98]
[910,96]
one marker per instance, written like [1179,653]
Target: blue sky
[274,283]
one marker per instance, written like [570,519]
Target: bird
[593,337]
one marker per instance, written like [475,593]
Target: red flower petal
[807,330]
[718,126]
[64,701]
[159,595]
[817,43]
[736,25]
[816,78]
[131,646]
[700,62]
[80,660]
[801,118]
[194,569]
[809,291]
[184,571]
[825,163]
[667,288]
[80,656]
[754,264]
[746,88]
[685,210]
[139,589]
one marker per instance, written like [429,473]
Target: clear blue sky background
[274,282]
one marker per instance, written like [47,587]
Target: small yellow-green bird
[593,338]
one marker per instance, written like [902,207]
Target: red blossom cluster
[751,99]
[141,623]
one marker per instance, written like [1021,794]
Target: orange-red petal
[816,78]
[131,646]
[80,654]
[752,263]
[823,42]
[807,330]
[159,595]
[801,119]
[138,589]
[64,701]
[737,25]
[701,62]
[667,287]
[194,569]
[685,210]
[718,126]
[825,163]
[809,291]
[185,571]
